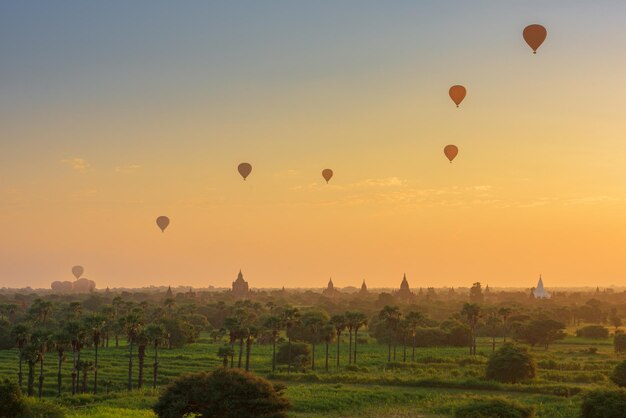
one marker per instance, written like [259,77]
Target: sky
[114,113]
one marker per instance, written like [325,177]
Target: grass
[439,380]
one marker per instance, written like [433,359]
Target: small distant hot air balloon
[78,271]
[534,35]
[451,151]
[244,169]
[457,94]
[163,222]
[327,173]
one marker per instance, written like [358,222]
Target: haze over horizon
[114,113]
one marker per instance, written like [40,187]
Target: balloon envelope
[451,151]
[163,222]
[78,271]
[244,169]
[457,94]
[327,173]
[534,35]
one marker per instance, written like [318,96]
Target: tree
[413,321]
[496,407]
[290,318]
[596,332]
[95,325]
[156,335]
[339,323]
[227,393]
[253,332]
[313,323]
[20,334]
[76,331]
[142,341]
[61,342]
[471,312]
[355,320]
[619,374]
[615,319]
[328,333]
[30,354]
[273,324]
[603,404]
[540,331]
[224,353]
[40,339]
[297,354]
[12,403]
[493,328]
[391,316]
[510,364]
[504,313]
[132,325]
[476,293]
[619,342]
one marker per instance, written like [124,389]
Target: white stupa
[540,292]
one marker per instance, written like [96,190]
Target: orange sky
[112,133]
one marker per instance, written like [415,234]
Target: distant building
[330,290]
[405,290]
[363,290]
[539,292]
[169,294]
[240,287]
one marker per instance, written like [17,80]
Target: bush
[300,354]
[593,331]
[619,374]
[510,364]
[226,393]
[494,408]
[603,404]
[37,408]
[11,401]
[619,342]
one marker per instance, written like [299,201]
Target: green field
[439,380]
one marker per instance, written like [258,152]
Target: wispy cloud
[127,168]
[77,164]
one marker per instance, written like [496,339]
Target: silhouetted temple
[405,291]
[240,286]
[539,292]
[363,290]
[330,290]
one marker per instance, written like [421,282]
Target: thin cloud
[77,164]
[127,168]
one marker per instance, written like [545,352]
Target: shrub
[593,331]
[494,408]
[227,393]
[300,353]
[619,342]
[11,401]
[619,374]
[37,408]
[510,364]
[603,404]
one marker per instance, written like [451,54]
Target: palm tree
[274,325]
[391,316]
[131,324]
[95,325]
[413,321]
[30,354]
[290,317]
[504,313]
[20,334]
[328,333]
[225,352]
[40,340]
[339,322]
[253,332]
[350,322]
[472,311]
[61,342]
[40,310]
[156,335]
[314,322]
[493,322]
[76,331]
[142,340]
[85,367]
[232,324]
[75,310]
[359,320]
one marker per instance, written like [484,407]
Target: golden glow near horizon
[538,186]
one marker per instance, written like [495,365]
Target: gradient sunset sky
[113,113]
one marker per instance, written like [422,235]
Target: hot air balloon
[327,173]
[163,222]
[78,271]
[534,35]
[451,151]
[457,94]
[244,169]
